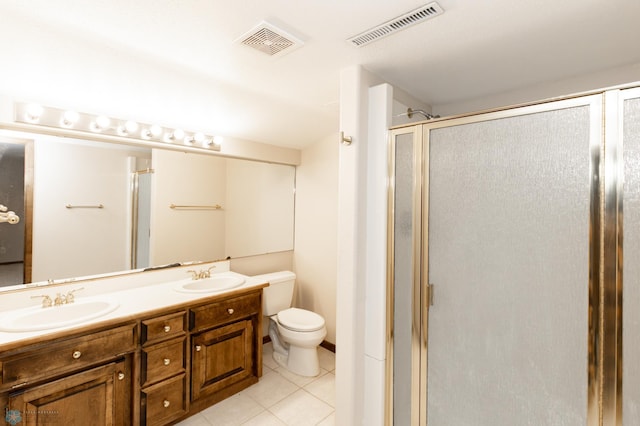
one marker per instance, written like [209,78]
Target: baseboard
[327,345]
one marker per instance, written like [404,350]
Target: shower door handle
[429,295]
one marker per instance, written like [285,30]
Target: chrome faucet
[198,275]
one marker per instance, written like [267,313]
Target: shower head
[426,115]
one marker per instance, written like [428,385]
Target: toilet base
[300,361]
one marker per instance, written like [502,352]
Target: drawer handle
[76,354]
[198,348]
[166,403]
[121,376]
[167,361]
[230,311]
[167,328]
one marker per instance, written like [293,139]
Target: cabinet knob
[76,354]
[167,328]
[198,348]
[166,403]
[120,375]
[231,311]
[167,361]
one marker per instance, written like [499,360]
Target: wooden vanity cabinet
[149,370]
[84,379]
[226,347]
[163,369]
[99,396]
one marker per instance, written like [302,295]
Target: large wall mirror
[88,208]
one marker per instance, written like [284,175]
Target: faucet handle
[59,300]
[46,300]
[70,297]
[194,274]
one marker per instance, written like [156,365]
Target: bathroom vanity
[153,366]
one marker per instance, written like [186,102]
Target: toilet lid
[300,320]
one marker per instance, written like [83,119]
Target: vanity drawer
[162,360]
[162,328]
[65,356]
[165,401]
[225,311]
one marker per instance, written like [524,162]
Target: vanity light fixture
[35,114]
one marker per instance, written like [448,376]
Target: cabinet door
[221,357]
[95,397]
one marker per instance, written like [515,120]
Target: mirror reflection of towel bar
[178,207]
[97,206]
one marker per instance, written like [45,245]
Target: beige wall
[263,263]
[315,254]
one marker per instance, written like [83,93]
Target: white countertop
[133,302]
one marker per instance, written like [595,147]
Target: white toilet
[295,333]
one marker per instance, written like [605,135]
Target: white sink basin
[39,318]
[209,285]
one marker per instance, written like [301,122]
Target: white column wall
[380,106]
[365,115]
[351,248]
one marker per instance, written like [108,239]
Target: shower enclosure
[141,190]
[15,196]
[505,287]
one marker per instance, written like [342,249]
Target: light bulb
[198,137]
[69,118]
[131,126]
[102,122]
[176,135]
[33,112]
[127,128]
[155,130]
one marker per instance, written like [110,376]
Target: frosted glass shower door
[631,271]
[508,201]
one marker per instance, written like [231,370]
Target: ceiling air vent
[416,16]
[270,39]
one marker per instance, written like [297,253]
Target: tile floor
[280,398]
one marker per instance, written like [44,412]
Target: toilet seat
[295,319]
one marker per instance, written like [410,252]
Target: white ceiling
[176,62]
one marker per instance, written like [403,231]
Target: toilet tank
[279,294]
